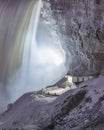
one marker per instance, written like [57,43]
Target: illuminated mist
[30,59]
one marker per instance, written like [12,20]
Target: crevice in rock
[97,2]
[50,127]
[70,103]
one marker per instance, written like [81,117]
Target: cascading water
[30,46]
[25,66]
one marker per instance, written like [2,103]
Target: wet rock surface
[77,109]
[80,26]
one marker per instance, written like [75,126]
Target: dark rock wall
[80,26]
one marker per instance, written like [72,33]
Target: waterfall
[30,45]
[25,66]
[18,25]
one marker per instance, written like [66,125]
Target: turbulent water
[24,64]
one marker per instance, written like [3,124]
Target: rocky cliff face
[80,26]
